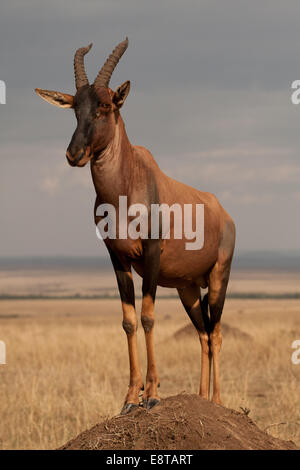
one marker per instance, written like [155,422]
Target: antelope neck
[112,168]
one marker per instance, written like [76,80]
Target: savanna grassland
[67,364]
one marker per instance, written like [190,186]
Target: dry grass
[67,366]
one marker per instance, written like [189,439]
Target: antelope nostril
[74,161]
[69,158]
[71,162]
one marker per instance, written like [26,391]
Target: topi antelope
[121,169]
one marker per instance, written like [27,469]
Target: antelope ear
[56,97]
[121,94]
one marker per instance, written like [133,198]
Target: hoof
[128,407]
[217,401]
[150,403]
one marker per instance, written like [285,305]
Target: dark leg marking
[125,284]
[129,327]
[147,323]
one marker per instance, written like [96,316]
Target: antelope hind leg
[191,299]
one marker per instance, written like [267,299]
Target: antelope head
[96,106]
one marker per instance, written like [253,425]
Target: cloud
[50,185]
[229,166]
[247,198]
[59,179]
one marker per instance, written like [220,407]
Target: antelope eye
[106,106]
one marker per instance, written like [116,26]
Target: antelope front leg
[135,381]
[126,289]
[151,270]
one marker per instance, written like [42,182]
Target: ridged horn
[80,75]
[103,77]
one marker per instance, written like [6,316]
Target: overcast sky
[210,97]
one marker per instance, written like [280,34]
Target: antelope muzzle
[80,159]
